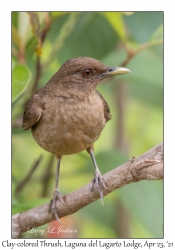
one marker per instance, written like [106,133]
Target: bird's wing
[33,111]
[107,114]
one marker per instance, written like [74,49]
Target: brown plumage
[67,115]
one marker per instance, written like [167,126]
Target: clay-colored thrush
[68,114]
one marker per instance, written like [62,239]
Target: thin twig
[148,166]
[132,53]
[60,39]
[120,143]
[38,60]
[37,75]
[120,94]
[47,27]
[23,183]
[46,175]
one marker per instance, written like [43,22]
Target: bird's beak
[112,71]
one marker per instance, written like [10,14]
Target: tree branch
[148,166]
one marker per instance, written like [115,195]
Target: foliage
[41,42]
[20,78]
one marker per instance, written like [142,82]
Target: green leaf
[91,27]
[116,21]
[141,25]
[20,78]
[158,33]
[58,13]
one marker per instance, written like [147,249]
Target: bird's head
[84,73]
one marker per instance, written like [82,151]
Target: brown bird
[68,114]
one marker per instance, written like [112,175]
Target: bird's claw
[52,206]
[98,181]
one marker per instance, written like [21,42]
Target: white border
[5,93]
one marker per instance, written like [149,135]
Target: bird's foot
[98,181]
[52,207]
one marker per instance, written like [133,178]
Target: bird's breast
[69,125]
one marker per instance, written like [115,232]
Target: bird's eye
[87,72]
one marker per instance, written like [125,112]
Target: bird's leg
[98,180]
[56,194]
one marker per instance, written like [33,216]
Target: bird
[68,114]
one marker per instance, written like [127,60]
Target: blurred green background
[41,42]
